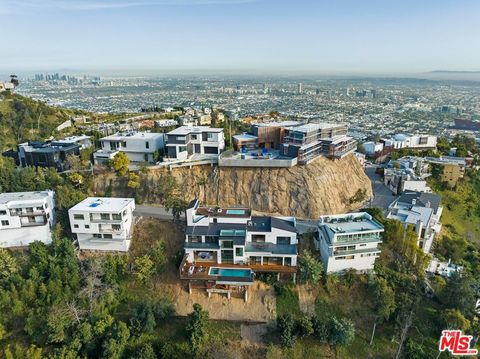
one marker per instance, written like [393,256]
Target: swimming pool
[230,272]
[236,211]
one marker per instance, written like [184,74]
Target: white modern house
[185,141]
[371,147]
[103,224]
[349,241]
[233,236]
[422,212]
[26,217]
[138,146]
[419,142]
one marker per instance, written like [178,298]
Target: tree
[304,326]
[454,319]
[286,328]
[159,254]
[145,352]
[384,302]
[196,327]
[320,328]
[143,320]
[133,180]
[116,341]
[177,205]
[310,269]
[342,331]
[120,163]
[144,268]
[458,293]
[8,265]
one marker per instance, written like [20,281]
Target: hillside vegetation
[24,119]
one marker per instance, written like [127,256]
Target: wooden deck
[201,269]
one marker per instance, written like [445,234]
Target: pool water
[236,211]
[230,272]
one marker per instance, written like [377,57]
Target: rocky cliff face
[321,187]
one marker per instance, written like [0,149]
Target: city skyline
[241,36]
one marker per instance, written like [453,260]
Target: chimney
[414,201]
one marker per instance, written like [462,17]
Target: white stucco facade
[349,241]
[138,146]
[103,224]
[26,217]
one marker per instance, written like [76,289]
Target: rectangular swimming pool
[230,272]
[236,211]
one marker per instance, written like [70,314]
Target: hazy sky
[322,36]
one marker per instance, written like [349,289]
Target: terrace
[256,158]
[201,270]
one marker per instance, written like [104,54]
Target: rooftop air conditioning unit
[219,210]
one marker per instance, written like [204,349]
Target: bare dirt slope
[322,187]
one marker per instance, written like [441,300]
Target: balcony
[99,220]
[200,245]
[110,230]
[271,248]
[26,214]
[33,224]
[354,251]
[364,239]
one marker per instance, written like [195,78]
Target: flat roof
[309,127]
[185,130]
[7,197]
[237,212]
[277,124]
[102,204]
[350,223]
[411,214]
[134,135]
[245,136]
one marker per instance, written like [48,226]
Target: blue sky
[276,36]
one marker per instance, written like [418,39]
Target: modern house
[349,241]
[103,224]
[138,146]
[307,142]
[185,141]
[224,247]
[26,217]
[417,142]
[44,154]
[371,148]
[422,212]
[83,141]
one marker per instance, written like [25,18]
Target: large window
[227,244]
[258,238]
[117,216]
[116,227]
[239,252]
[3,213]
[5,223]
[107,236]
[147,144]
[195,239]
[283,240]
[105,216]
[78,216]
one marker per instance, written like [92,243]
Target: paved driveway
[382,196]
[155,212]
